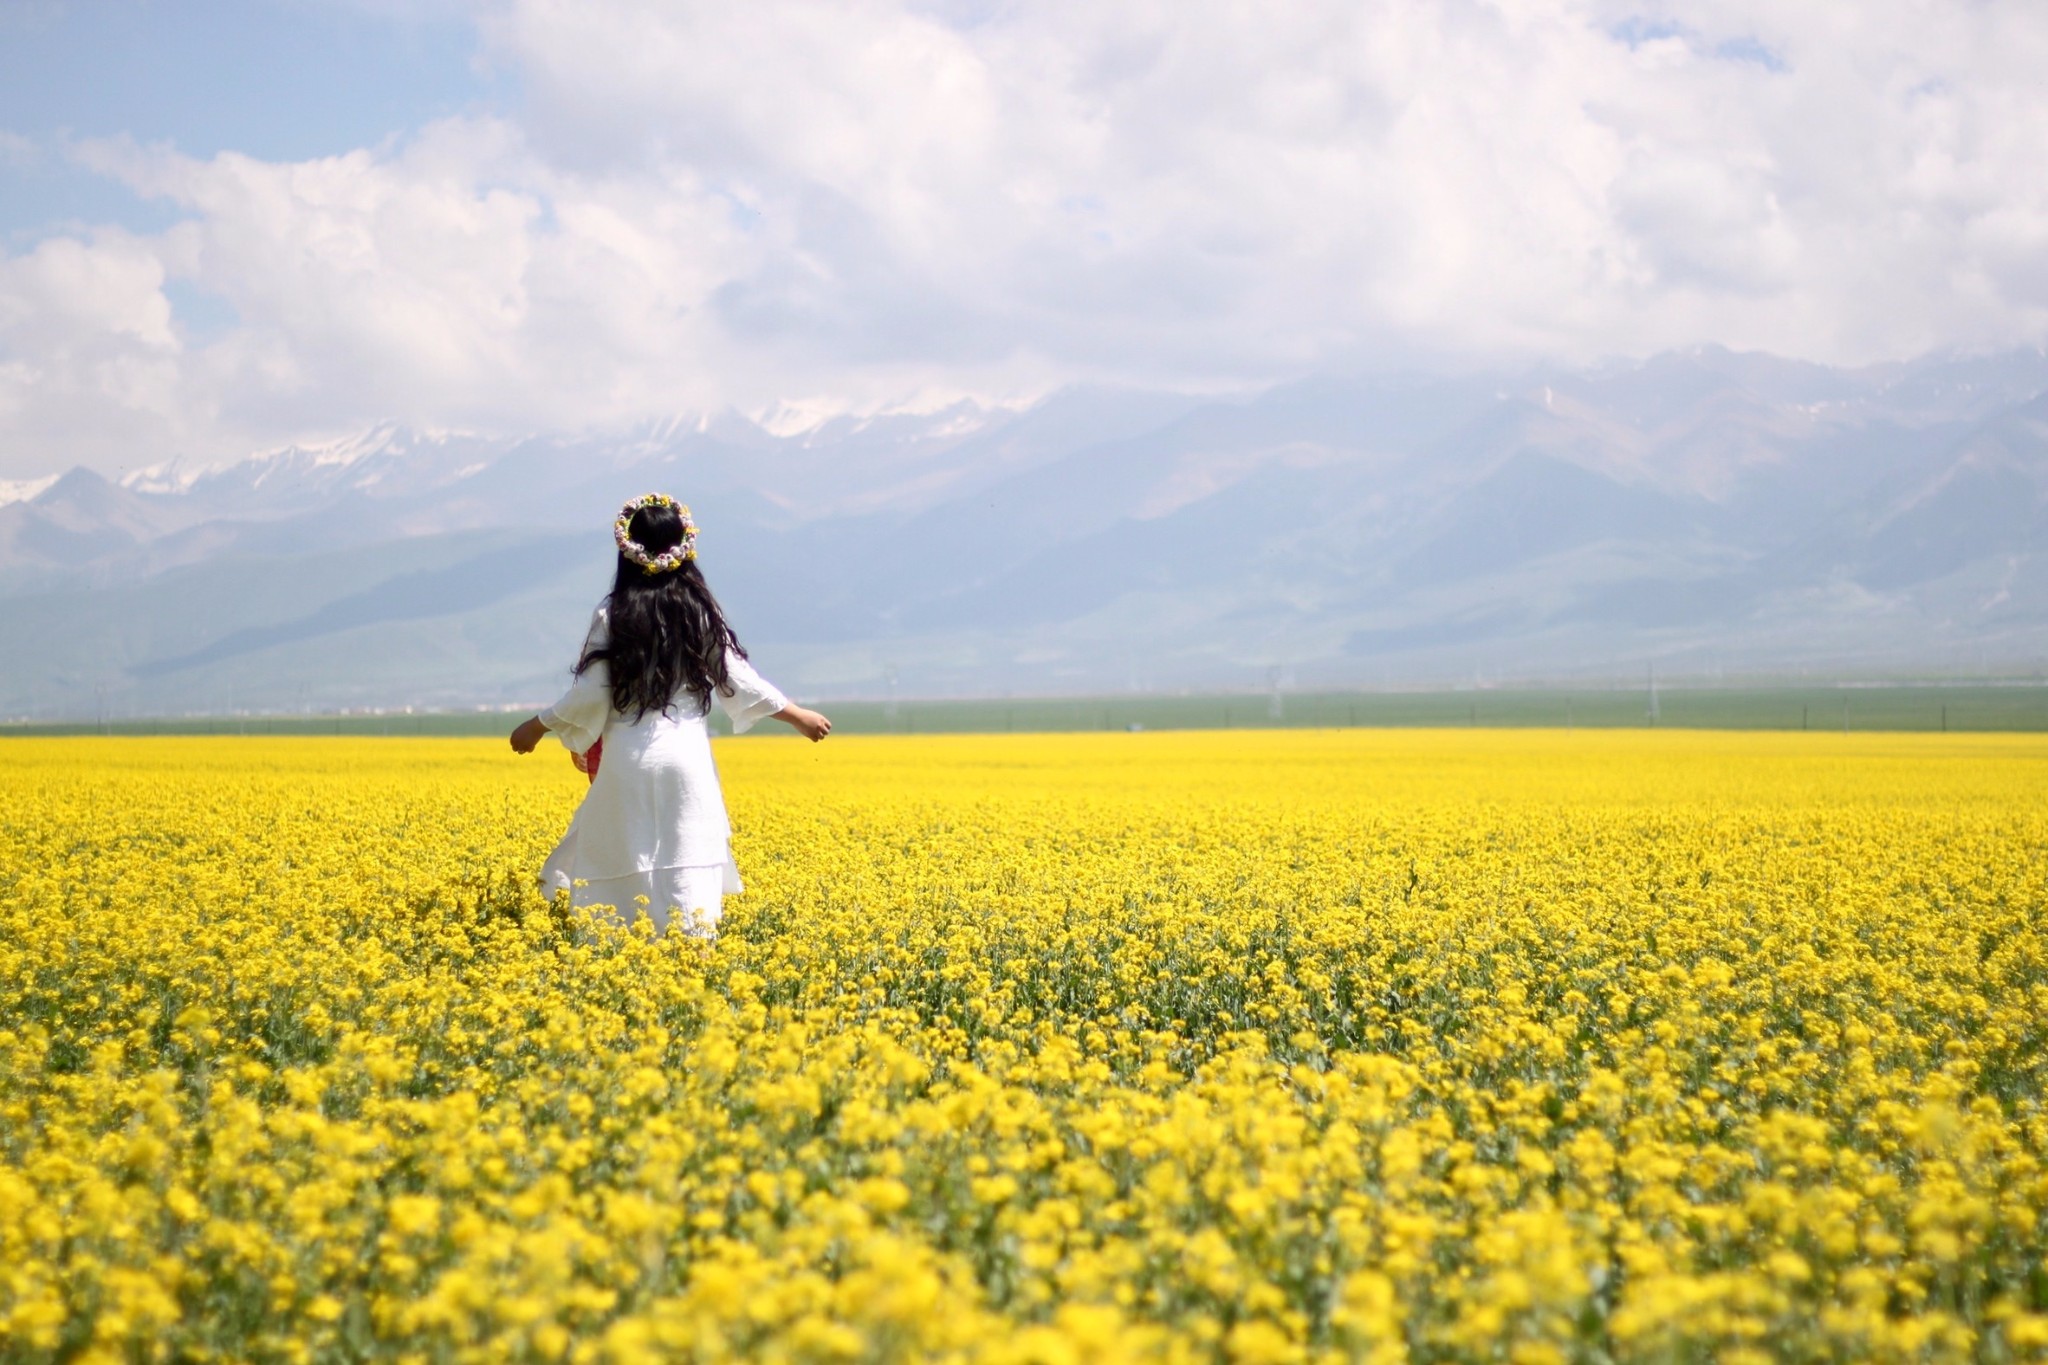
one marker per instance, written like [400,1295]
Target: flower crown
[673,558]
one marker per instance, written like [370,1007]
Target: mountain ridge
[1703,508]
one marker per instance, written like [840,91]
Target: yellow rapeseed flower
[1309,1046]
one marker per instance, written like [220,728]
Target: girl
[653,829]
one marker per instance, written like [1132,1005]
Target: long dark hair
[668,634]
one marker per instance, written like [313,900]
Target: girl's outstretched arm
[528,735]
[812,725]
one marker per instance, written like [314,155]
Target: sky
[228,225]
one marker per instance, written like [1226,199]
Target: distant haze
[1701,513]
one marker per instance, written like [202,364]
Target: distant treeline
[1975,707]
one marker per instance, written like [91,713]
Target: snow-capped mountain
[1699,510]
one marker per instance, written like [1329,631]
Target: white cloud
[846,203]
[88,356]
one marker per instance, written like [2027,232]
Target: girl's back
[659,654]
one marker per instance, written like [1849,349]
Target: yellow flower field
[1521,1046]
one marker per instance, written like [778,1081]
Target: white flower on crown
[674,558]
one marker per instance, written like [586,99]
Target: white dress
[653,823]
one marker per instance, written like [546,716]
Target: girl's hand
[528,735]
[812,725]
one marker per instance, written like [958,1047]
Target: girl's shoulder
[600,629]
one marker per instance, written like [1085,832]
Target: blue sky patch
[1750,49]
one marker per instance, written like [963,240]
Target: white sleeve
[578,718]
[600,633]
[753,696]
